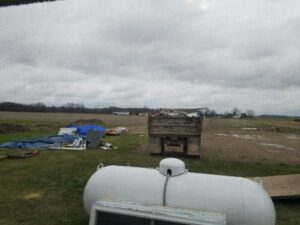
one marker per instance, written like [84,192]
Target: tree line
[81,108]
[20,2]
[69,108]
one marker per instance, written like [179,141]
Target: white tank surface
[243,201]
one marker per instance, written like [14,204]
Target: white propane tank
[243,201]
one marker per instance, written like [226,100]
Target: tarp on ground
[40,143]
[84,129]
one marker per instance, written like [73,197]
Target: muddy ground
[261,140]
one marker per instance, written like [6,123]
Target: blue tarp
[40,143]
[83,129]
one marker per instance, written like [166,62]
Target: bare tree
[250,113]
[236,112]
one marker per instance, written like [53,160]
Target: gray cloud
[179,53]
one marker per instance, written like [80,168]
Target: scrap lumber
[281,187]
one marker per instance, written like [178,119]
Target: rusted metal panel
[175,126]
[169,130]
[174,121]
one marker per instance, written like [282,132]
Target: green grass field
[48,188]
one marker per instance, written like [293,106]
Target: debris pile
[68,131]
[117,131]
[179,113]
[40,143]
[24,154]
[70,138]
[82,130]
[79,144]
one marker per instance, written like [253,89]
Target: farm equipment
[175,132]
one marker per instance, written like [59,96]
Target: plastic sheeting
[83,129]
[40,143]
[68,130]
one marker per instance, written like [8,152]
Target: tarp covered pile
[72,137]
[84,129]
[40,143]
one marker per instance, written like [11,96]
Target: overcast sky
[156,53]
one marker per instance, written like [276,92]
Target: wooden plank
[3,157]
[281,187]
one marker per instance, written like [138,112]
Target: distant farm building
[122,113]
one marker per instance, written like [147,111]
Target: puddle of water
[273,151]
[222,134]
[293,137]
[249,128]
[247,136]
[277,146]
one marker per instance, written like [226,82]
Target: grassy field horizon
[255,140]
[48,188]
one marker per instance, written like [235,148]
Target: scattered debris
[107,146]
[277,146]
[24,154]
[40,143]
[84,129]
[68,131]
[179,113]
[70,138]
[117,131]
[79,144]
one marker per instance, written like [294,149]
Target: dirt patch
[12,128]
[263,148]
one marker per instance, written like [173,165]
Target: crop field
[48,188]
